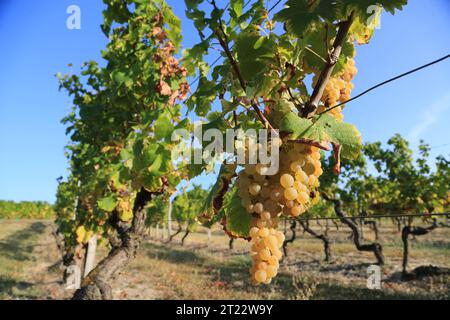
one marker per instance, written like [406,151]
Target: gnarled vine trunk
[180,228]
[323,237]
[416,231]
[231,244]
[185,236]
[96,285]
[374,227]
[374,247]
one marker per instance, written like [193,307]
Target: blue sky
[36,45]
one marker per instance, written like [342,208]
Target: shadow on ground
[17,246]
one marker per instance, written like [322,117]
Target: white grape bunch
[290,192]
[338,89]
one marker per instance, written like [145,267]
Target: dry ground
[207,269]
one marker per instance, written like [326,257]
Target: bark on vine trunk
[323,237]
[374,247]
[416,231]
[294,234]
[335,224]
[231,244]
[96,285]
[180,228]
[185,236]
[374,227]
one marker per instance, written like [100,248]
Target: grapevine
[125,113]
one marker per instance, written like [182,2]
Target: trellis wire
[423,215]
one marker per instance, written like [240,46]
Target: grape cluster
[338,89]
[290,193]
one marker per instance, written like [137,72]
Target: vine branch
[333,57]
[224,44]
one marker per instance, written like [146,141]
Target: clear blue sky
[36,45]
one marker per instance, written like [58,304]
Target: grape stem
[311,143]
[337,157]
[224,44]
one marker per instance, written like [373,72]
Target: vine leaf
[325,128]
[236,218]
[253,51]
[299,15]
[107,204]
[214,201]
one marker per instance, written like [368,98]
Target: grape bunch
[290,192]
[338,89]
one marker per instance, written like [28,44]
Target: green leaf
[237,6]
[325,128]
[151,182]
[119,77]
[299,15]
[224,177]
[301,127]
[258,44]
[348,137]
[107,204]
[163,127]
[237,218]
[362,7]
[252,56]
[156,165]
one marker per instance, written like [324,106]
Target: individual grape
[309,168]
[300,186]
[280,236]
[261,223]
[290,194]
[246,202]
[297,210]
[290,203]
[286,181]
[303,198]
[266,215]
[273,261]
[302,177]
[271,271]
[296,166]
[278,254]
[260,276]
[250,208]
[261,169]
[254,189]
[259,208]
[253,232]
[264,254]
[313,181]
[318,172]
[271,242]
[262,265]
[263,232]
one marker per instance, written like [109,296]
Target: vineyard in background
[26,210]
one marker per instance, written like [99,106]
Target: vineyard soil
[30,260]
